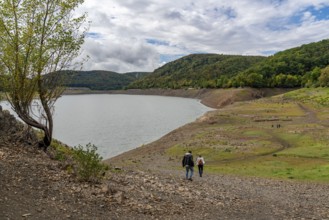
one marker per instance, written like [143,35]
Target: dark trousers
[200,170]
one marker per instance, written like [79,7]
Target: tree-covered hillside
[196,70]
[300,66]
[97,79]
[296,67]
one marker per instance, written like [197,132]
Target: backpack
[200,162]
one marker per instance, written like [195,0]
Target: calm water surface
[118,123]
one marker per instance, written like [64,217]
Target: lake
[118,123]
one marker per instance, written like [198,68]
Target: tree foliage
[324,77]
[300,66]
[97,79]
[296,67]
[89,166]
[37,37]
[197,71]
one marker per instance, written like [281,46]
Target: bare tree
[38,37]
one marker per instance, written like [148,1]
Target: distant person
[188,163]
[200,162]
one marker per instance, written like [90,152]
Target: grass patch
[319,96]
[273,167]
[255,133]
[315,150]
[245,140]
[269,108]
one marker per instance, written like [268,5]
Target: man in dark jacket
[188,163]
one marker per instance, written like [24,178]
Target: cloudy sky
[141,35]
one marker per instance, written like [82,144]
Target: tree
[37,37]
[255,80]
[324,77]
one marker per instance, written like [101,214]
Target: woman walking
[200,162]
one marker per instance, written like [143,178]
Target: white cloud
[135,35]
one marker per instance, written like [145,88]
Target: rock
[181,189]
[119,197]
[26,215]
[2,154]
[105,189]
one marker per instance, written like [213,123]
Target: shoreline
[213,98]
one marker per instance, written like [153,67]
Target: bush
[60,151]
[88,163]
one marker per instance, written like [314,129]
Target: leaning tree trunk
[48,128]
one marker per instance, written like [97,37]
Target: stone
[118,197]
[105,189]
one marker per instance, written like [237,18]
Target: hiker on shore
[200,162]
[188,163]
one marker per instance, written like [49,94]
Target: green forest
[196,71]
[97,79]
[304,66]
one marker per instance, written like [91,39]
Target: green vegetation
[197,71]
[89,166]
[304,66]
[285,136]
[96,79]
[84,162]
[319,96]
[37,37]
[300,66]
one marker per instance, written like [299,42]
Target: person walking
[200,162]
[188,163]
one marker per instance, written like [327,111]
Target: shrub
[60,151]
[88,163]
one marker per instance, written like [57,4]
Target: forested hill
[296,67]
[196,70]
[300,66]
[98,79]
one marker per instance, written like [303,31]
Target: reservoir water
[118,123]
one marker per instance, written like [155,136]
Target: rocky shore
[35,187]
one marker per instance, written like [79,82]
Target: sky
[142,35]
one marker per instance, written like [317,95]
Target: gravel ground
[35,187]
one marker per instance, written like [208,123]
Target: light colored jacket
[198,159]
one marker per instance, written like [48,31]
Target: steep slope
[197,71]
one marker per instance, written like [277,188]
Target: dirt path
[310,114]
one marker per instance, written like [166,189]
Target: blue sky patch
[268,52]
[281,24]
[93,35]
[318,14]
[166,58]
[157,42]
